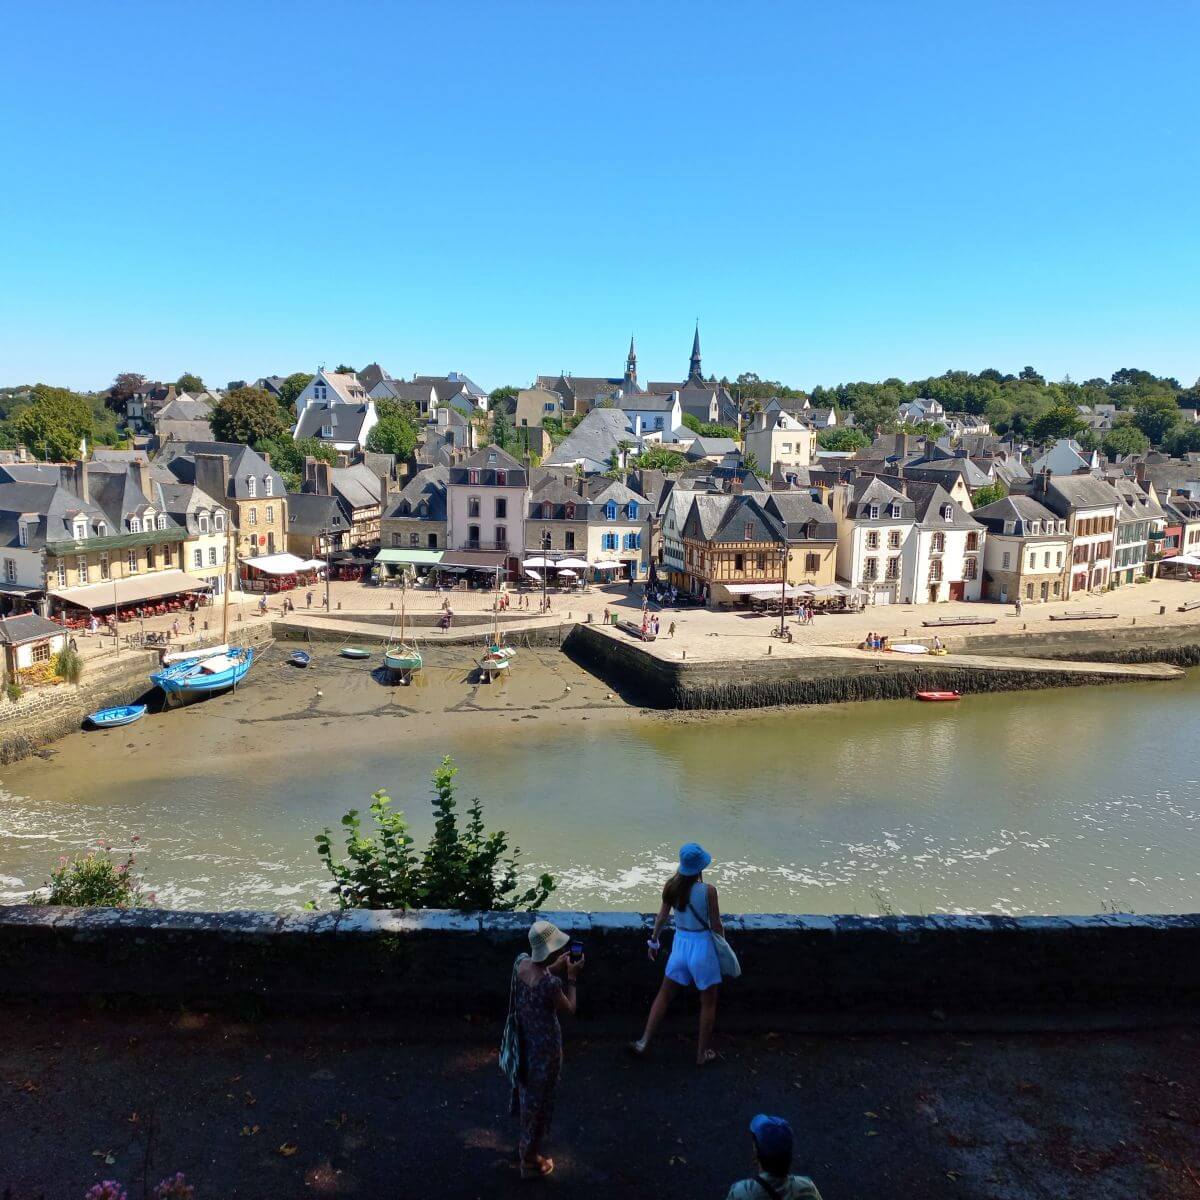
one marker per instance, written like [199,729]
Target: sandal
[710,1056]
[537,1170]
[637,1049]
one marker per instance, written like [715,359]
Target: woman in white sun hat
[543,988]
[693,961]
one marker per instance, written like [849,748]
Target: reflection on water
[1039,802]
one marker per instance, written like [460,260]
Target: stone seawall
[355,630]
[429,964]
[49,712]
[813,679]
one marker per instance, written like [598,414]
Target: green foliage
[291,387]
[54,422]
[393,435]
[1062,421]
[248,416]
[342,369]
[126,384]
[748,386]
[876,414]
[1184,440]
[503,433]
[68,665]
[750,462]
[1157,416]
[846,438]
[288,455]
[503,397]
[188,382]
[94,880]
[462,868]
[989,494]
[13,690]
[658,459]
[558,427]
[1124,439]
[707,429]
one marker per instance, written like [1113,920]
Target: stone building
[1028,551]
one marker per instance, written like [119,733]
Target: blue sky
[837,191]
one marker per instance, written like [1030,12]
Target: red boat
[939,695]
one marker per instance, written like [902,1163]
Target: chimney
[1139,471]
[212,475]
[385,487]
[324,479]
[579,484]
[143,478]
[265,455]
[527,464]
[735,485]
[343,459]
[443,416]
[73,476]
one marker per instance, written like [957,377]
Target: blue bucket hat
[773,1136]
[693,858]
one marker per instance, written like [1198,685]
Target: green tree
[288,455]
[291,387]
[1124,439]
[876,414]
[708,429]
[53,423]
[659,459]
[750,463]
[846,438]
[247,415]
[1059,422]
[989,494]
[1157,417]
[187,382]
[126,384]
[505,397]
[503,433]
[393,435]
[1184,440]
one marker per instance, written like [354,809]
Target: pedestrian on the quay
[1017,605]
[869,642]
[671,629]
[175,627]
[191,622]
[308,598]
[694,960]
[774,1148]
[542,990]
[656,626]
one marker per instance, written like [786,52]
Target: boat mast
[225,590]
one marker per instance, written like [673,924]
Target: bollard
[339,606]
[685,654]
[1162,608]
[768,649]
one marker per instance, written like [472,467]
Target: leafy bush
[13,690]
[95,880]
[174,1187]
[467,869]
[68,665]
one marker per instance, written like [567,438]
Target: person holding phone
[544,988]
[693,961]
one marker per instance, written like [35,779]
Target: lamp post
[545,565]
[784,557]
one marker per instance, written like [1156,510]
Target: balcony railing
[476,544]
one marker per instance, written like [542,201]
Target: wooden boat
[354,652]
[935,696]
[193,655]
[110,718]
[496,661]
[299,658]
[402,656]
[208,675]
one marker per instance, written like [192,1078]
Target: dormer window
[219,522]
[749,531]
[894,511]
[1010,526]
[501,478]
[1035,527]
[135,525]
[23,533]
[873,512]
[422,509]
[472,476]
[202,521]
[547,510]
[491,458]
[268,485]
[633,510]
[570,510]
[251,486]
[102,529]
[80,530]
[947,512]
[162,521]
[610,511]
[327,431]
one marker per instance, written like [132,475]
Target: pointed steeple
[631,366]
[695,375]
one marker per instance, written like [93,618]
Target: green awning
[415,558]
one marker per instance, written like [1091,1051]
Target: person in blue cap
[693,961]
[773,1178]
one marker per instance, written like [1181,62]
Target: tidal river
[1042,802]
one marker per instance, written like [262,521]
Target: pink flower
[110,1189]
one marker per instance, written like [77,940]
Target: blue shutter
[633,510]
[637,541]
[610,510]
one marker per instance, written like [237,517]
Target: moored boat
[207,675]
[193,655]
[354,652]
[402,658]
[110,718]
[936,696]
[299,658]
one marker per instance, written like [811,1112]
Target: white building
[777,437]
[877,539]
[1091,507]
[335,409]
[949,547]
[486,500]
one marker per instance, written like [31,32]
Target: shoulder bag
[726,959]
[510,1039]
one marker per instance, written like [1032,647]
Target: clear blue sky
[838,191]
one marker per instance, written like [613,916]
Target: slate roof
[310,515]
[706,447]
[345,420]
[645,402]
[26,627]
[1022,510]
[723,518]
[487,461]
[872,490]
[455,380]
[180,459]
[593,440]
[1135,504]
[428,486]
[372,374]
[803,517]
[358,486]
[184,409]
[971,474]
[929,499]
[1076,491]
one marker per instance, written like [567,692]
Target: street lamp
[784,558]
[545,565]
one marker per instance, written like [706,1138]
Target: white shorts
[693,961]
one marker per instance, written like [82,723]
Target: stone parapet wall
[430,964]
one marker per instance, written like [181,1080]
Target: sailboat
[402,656]
[497,658]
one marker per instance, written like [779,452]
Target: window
[473,536]
[162,520]
[252,518]
[947,512]
[131,561]
[894,510]
[397,541]
[432,540]
[935,570]
[252,485]
[80,530]
[893,567]
[970,568]
[1047,559]
[785,447]
[472,476]
[102,529]
[61,572]
[894,539]
[501,537]
[81,569]
[41,652]
[1035,527]
[939,542]
[1029,591]
[873,512]
[749,531]
[873,539]
[472,506]
[268,486]
[152,558]
[135,526]
[569,540]
[1057,587]
[972,541]
[327,431]
[501,507]
[633,510]
[1004,562]
[812,562]
[570,511]
[10,570]
[219,522]
[760,562]
[608,541]
[610,511]
[23,534]
[270,514]
[739,562]
[871,568]
[501,480]
[1059,559]
[212,556]
[414,539]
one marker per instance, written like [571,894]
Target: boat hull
[112,718]
[403,660]
[938,697]
[191,678]
[299,658]
[354,652]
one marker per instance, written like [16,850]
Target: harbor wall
[358,631]
[422,965]
[48,712]
[772,680]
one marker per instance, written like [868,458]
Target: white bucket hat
[544,940]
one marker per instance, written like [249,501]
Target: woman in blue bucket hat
[693,961]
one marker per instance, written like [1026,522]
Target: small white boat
[910,648]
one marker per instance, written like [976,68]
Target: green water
[1058,801]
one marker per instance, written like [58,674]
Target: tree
[659,459]
[291,387]
[288,455]
[53,424]
[247,415]
[187,382]
[1184,440]
[342,369]
[876,415]
[1029,375]
[1157,417]
[505,397]
[708,429]
[393,435]
[126,384]
[1060,422]
[847,438]
[989,494]
[750,462]
[503,433]
[1124,439]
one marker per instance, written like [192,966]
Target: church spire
[631,364]
[695,375]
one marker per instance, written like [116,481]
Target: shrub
[68,665]
[13,690]
[95,880]
[467,869]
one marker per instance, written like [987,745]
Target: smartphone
[576,951]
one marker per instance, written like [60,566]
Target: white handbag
[727,960]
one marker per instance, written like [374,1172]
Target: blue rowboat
[109,718]
[299,658]
[201,678]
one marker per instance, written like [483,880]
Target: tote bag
[726,959]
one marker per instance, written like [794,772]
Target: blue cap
[693,858]
[772,1136]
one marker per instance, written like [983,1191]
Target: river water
[1041,802]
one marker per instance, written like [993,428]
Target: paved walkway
[319,1107]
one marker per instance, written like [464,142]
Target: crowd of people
[544,988]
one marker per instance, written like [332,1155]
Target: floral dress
[541,1056]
